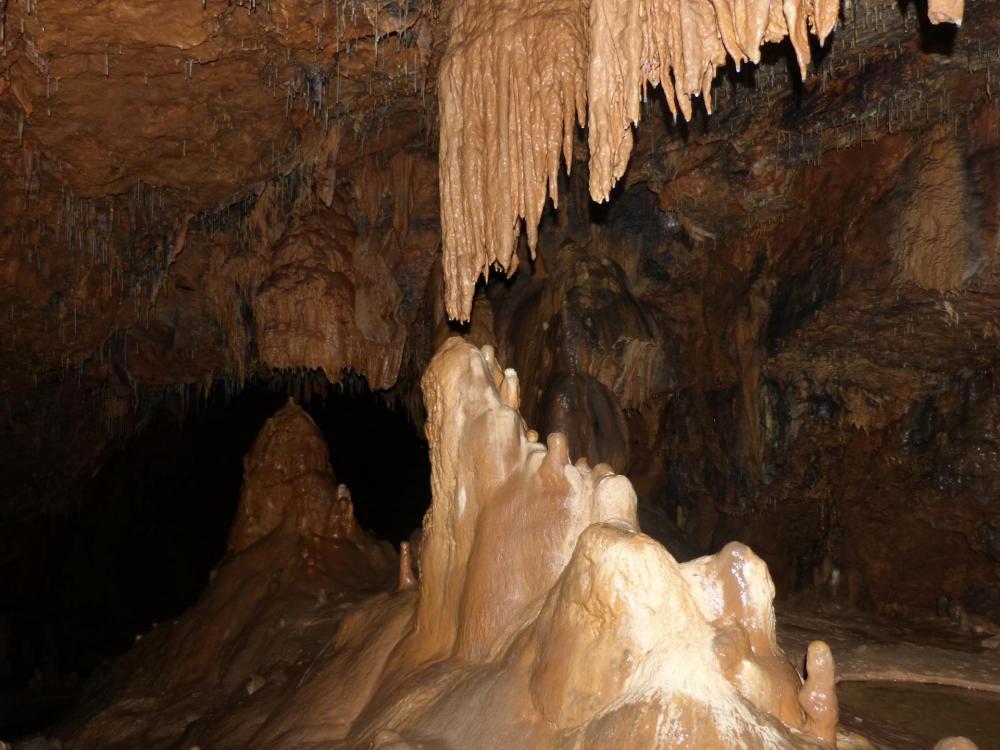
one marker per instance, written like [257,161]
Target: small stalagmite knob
[407,580]
[557,458]
[510,389]
[490,355]
[344,526]
[818,696]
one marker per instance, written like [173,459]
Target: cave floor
[902,684]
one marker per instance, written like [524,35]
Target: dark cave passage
[140,536]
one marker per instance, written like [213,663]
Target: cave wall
[199,194]
[822,344]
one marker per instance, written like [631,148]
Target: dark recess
[141,535]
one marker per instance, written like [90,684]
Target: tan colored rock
[516,76]
[956,743]
[931,242]
[534,578]
[407,580]
[818,695]
[946,11]
[288,484]
[541,618]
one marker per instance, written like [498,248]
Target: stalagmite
[406,578]
[537,597]
[510,390]
[818,695]
[530,562]
[287,483]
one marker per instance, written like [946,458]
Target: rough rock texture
[537,596]
[159,157]
[204,191]
[833,394]
[587,349]
[330,302]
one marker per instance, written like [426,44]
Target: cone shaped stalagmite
[288,483]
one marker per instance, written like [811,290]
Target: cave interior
[330,331]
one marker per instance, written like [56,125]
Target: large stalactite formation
[516,76]
[745,253]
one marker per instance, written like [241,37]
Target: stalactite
[510,92]
[516,75]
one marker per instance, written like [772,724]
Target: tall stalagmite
[535,595]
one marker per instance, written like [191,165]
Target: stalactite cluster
[512,86]
[516,76]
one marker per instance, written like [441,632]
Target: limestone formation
[517,76]
[288,485]
[536,596]
[818,695]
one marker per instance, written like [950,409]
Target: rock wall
[821,387]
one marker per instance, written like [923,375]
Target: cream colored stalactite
[946,11]
[511,90]
[614,80]
[677,44]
